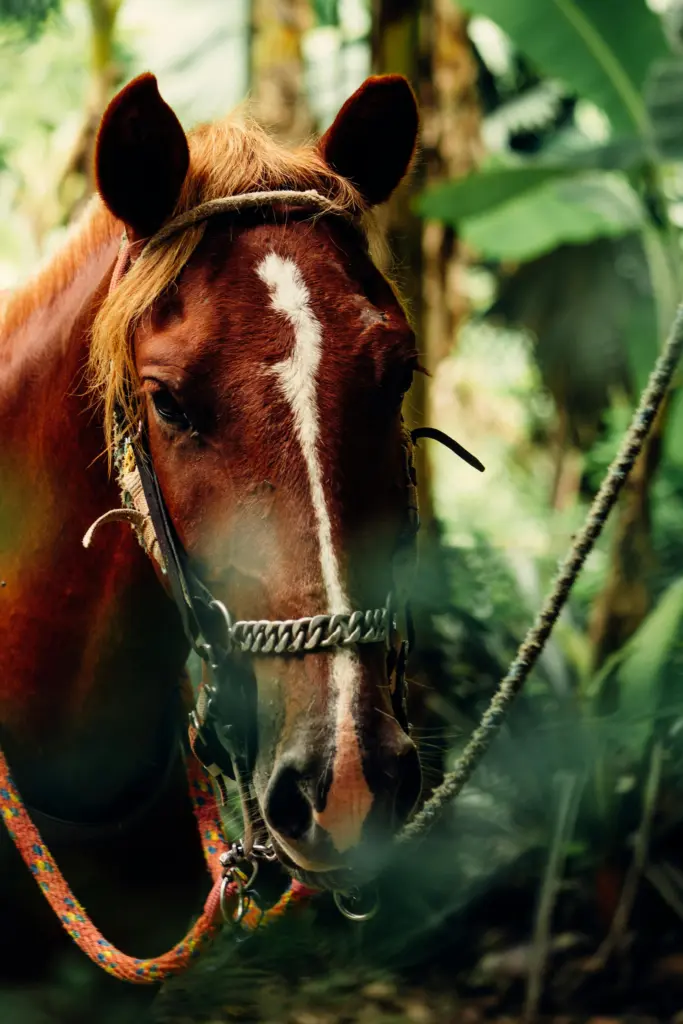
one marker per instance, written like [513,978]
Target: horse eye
[169,410]
[405,380]
[398,382]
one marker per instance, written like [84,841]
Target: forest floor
[295,979]
[391,1000]
[480,978]
[416,962]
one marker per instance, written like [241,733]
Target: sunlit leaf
[453,201]
[601,49]
[664,97]
[641,667]
[567,210]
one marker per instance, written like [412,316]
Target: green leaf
[479,192]
[673,438]
[643,670]
[565,210]
[601,49]
[664,99]
[614,155]
[583,349]
[640,342]
[453,201]
[642,664]
[326,12]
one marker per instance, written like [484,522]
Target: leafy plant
[575,209]
[639,675]
[601,49]
[519,209]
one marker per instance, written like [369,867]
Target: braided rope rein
[80,928]
[534,642]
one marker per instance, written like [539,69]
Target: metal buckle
[350,904]
[243,900]
[203,650]
[243,882]
[264,851]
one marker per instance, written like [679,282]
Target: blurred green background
[538,244]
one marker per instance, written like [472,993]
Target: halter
[225,714]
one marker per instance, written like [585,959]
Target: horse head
[265,359]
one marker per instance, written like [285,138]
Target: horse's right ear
[141,157]
[372,139]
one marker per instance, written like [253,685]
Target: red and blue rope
[74,917]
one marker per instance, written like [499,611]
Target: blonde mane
[228,157]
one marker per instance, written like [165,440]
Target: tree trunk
[77,181]
[452,148]
[278,99]
[427,42]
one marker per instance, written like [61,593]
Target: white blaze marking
[297,377]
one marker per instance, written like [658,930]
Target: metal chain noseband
[308,634]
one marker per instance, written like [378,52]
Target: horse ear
[372,139]
[141,157]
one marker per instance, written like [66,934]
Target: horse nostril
[409,785]
[287,809]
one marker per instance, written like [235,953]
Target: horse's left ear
[372,139]
[141,157]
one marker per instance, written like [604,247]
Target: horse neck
[90,649]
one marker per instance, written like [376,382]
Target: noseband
[224,718]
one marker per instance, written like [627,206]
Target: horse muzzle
[328,815]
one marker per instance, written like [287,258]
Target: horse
[260,357]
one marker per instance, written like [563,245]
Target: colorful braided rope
[78,925]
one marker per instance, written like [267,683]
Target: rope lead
[534,642]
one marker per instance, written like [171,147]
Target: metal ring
[252,877]
[216,605]
[241,908]
[354,896]
[252,900]
[203,650]
[264,851]
[239,876]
